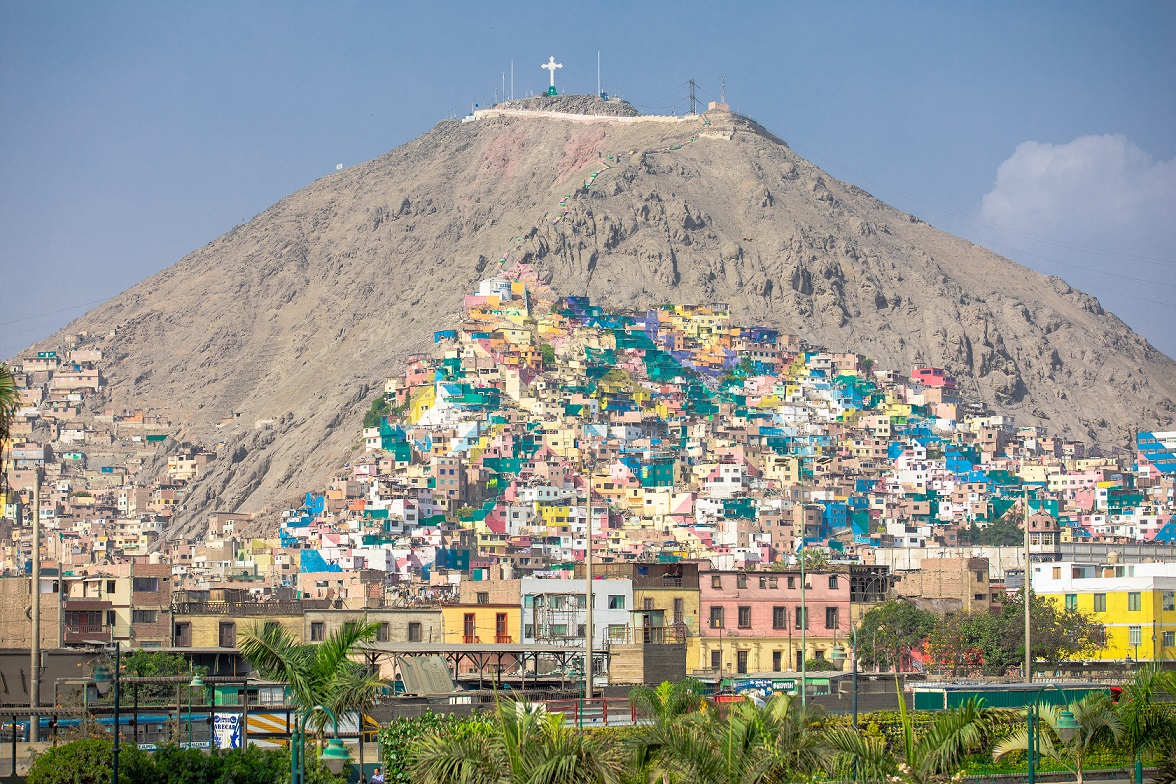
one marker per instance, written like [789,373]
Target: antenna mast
[693,105]
[598,72]
[512,79]
[723,90]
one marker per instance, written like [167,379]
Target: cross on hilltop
[550,66]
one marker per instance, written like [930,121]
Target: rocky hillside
[289,323]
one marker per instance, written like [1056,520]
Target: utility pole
[1028,596]
[693,104]
[35,643]
[588,586]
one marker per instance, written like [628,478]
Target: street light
[196,683]
[334,755]
[1067,725]
[103,680]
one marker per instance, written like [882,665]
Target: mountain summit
[273,338]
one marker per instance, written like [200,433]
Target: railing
[649,635]
[503,639]
[86,631]
[243,608]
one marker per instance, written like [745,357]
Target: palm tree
[524,744]
[932,756]
[668,701]
[319,674]
[779,742]
[1096,718]
[1148,722]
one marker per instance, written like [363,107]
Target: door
[741,662]
[183,635]
[500,634]
[469,628]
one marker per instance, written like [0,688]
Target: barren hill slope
[293,320]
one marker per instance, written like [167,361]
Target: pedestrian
[377,777]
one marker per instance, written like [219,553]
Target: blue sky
[132,133]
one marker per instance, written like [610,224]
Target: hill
[273,338]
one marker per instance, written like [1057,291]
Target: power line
[55,312]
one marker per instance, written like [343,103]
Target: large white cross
[551,65]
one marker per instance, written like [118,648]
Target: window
[831,618]
[227,635]
[529,631]
[801,618]
[528,601]
[145,584]
[716,617]
[500,633]
[1170,639]
[616,632]
[110,586]
[980,576]
[111,618]
[763,582]
[382,633]
[716,660]
[679,610]
[1071,601]
[777,660]
[1133,601]
[647,604]
[1100,602]
[779,617]
[316,631]
[616,602]
[1057,575]
[833,581]
[483,597]
[414,631]
[741,662]
[791,583]
[716,581]
[144,616]
[469,627]
[1136,635]
[1169,599]
[741,581]
[744,617]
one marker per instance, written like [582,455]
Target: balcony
[503,639]
[78,634]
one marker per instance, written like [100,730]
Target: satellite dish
[338,167]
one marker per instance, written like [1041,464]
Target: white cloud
[1099,193]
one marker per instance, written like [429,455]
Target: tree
[956,642]
[1149,722]
[144,663]
[890,630]
[380,409]
[1058,633]
[779,742]
[935,755]
[524,743]
[316,674]
[547,352]
[669,701]
[1096,718]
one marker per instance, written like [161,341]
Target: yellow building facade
[1135,603]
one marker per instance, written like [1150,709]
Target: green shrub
[90,761]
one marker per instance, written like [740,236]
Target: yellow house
[482,623]
[1135,603]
